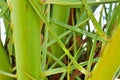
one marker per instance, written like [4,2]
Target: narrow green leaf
[75,29]
[112,20]
[91,55]
[64,69]
[67,32]
[92,17]
[56,59]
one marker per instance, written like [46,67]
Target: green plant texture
[59,39]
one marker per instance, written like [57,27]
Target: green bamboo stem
[60,13]
[109,63]
[27,40]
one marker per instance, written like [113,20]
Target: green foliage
[53,40]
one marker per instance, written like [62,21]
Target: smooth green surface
[109,63]
[27,40]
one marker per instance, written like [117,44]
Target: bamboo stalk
[109,63]
[60,13]
[27,40]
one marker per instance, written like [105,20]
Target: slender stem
[44,55]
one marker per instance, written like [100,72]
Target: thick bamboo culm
[26,39]
[109,63]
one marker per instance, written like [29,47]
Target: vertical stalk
[44,54]
[60,13]
[109,62]
[26,39]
